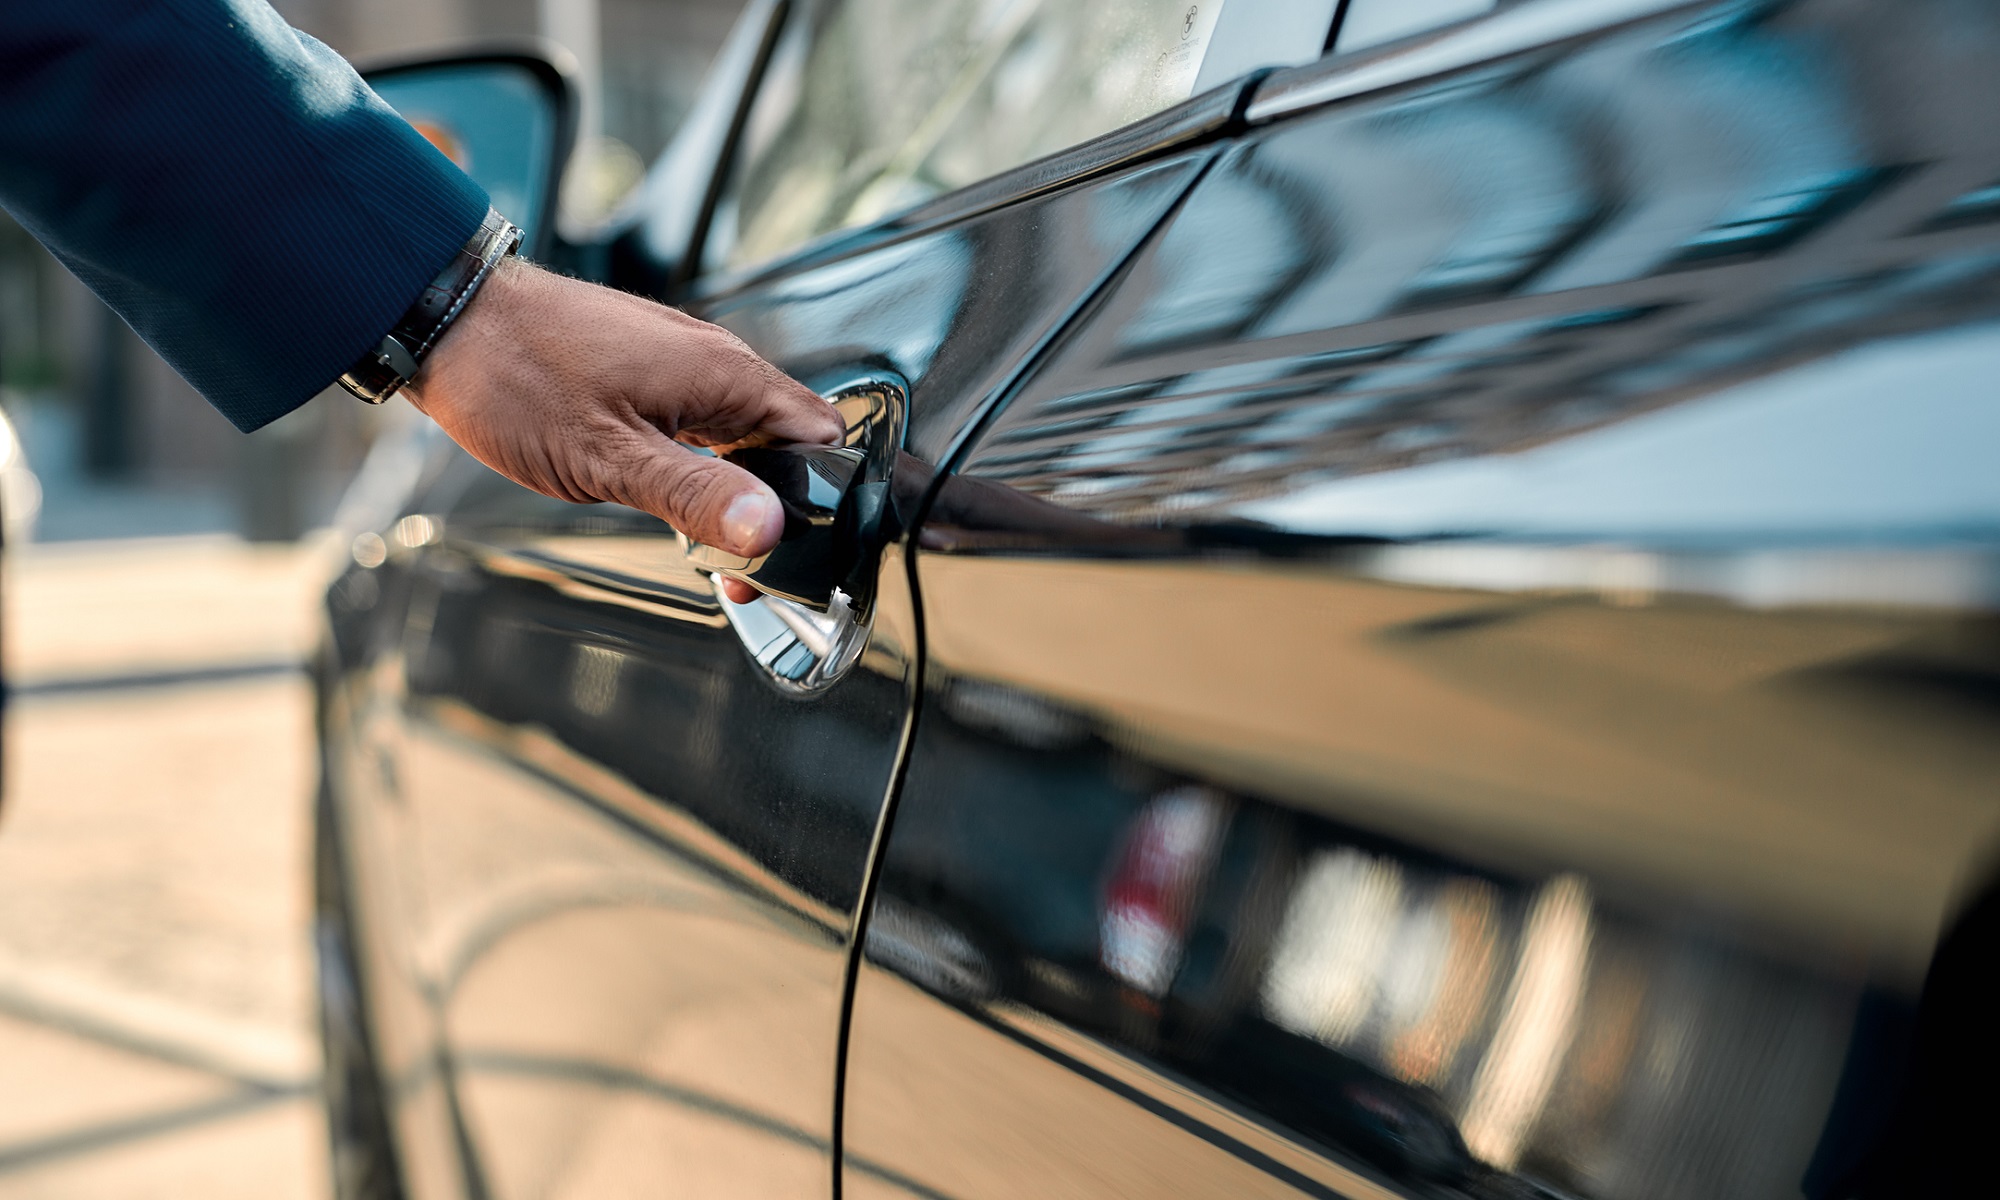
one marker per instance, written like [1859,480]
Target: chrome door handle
[837,511]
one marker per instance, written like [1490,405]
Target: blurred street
[156,1027]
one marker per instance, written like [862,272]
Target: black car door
[1470,672]
[644,813]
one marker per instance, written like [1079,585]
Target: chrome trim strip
[1509,31]
[1957,578]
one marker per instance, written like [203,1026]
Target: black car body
[1429,632]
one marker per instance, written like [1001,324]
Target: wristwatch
[378,374]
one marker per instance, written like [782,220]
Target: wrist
[399,357]
[464,353]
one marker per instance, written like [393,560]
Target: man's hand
[581,393]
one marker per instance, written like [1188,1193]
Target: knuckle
[690,493]
[727,342]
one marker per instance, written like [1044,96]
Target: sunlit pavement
[155,1005]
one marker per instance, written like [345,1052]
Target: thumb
[711,501]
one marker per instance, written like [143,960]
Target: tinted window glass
[871,106]
[1373,22]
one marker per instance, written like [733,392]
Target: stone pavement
[156,1028]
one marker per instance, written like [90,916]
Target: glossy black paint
[1442,646]
[1469,671]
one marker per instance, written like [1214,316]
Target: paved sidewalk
[155,1006]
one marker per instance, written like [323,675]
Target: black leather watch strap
[378,374]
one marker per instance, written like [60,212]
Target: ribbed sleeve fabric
[227,184]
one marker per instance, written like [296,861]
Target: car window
[871,106]
[1373,22]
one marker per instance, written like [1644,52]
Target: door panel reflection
[618,1016]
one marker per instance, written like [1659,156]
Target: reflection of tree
[896,101]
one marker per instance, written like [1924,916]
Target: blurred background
[156,1027]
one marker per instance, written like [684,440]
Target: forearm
[225,183]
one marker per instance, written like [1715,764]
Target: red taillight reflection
[1150,896]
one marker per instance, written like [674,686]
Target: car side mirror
[507,117]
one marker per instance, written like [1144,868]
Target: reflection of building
[136,419]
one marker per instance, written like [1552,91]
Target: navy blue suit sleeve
[227,184]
